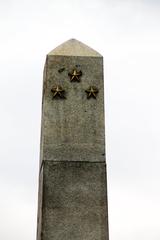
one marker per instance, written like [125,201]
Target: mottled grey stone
[74,205]
[72,201]
[74,47]
[73,128]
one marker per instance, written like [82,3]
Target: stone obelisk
[72,177]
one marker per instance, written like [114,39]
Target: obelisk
[72,177]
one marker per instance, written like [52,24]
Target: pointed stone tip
[74,47]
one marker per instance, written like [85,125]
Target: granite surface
[74,205]
[72,201]
[73,128]
[74,47]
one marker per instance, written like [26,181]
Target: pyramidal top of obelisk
[74,47]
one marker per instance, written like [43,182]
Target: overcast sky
[127,34]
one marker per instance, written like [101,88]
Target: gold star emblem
[92,92]
[58,91]
[75,75]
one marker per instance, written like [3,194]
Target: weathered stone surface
[74,48]
[74,205]
[73,128]
[72,182]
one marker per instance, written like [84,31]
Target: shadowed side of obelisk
[72,179]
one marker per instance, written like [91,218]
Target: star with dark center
[92,92]
[75,75]
[58,91]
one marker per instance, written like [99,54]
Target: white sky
[127,34]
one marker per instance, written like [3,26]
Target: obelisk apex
[74,47]
[72,180]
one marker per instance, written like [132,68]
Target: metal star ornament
[58,91]
[92,91]
[75,75]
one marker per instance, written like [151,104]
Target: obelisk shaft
[72,180]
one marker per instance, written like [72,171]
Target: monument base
[74,201]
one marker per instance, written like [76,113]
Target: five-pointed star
[92,92]
[75,75]
[58,91]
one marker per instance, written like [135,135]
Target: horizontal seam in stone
[67,162]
